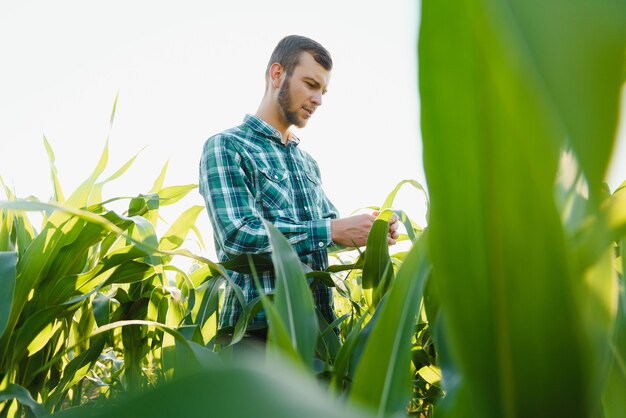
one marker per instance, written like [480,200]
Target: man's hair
[287,53]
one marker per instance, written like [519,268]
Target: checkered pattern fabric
[247,174]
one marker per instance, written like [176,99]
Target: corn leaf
[19,393]
[8,263]
[275,390]
[292,298]
[382,378]
[494,121]
[377,266]
[58,192]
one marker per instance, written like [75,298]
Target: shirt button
[320,244]
[275,177]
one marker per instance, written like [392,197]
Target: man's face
[301,93]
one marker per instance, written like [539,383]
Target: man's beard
[284,101]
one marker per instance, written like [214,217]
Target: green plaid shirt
[247,174]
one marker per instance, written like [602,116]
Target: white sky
[187,70]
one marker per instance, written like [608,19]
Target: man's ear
[276,74]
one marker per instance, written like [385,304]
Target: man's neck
[270,113]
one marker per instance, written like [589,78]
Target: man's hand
[392,234]
[353,231]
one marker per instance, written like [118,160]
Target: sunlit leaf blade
[382,378]
[292,298]
[158,182]
[58,192]
[112,118]
[80,196]
[175,235]
[172,194]
[96,194]
[8,262]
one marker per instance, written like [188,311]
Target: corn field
[509,303]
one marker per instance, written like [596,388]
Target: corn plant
[527,287]
[87,307]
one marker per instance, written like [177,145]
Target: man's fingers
[393,235]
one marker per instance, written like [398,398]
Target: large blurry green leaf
[494,120]
[580,71]
[292,297]
[243,390]
[8,262]
[614,403]
[382,378]
[22,395]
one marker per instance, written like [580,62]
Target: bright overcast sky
[187,70]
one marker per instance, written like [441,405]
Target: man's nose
[317,99]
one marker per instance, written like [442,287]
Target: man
[257,170]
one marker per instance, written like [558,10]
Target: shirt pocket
[274,191]
[314,184]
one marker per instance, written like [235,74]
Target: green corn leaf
[498,106]
[249,312]
[391,196]
[172,194]
[209,303]
[158,182]
[345,353]
[273,390]
[382,378]
[19,393]
[96,194]
[581,71]
[613,392]
[377,262]
[101,308]
[77,368]
[112,118]
[80,197]
[175,235]
[292,298]
[25,232]
[241,263]
[58,192]
[6,229]
[328,344]
[8,263]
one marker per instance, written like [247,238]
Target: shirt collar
[260,126]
